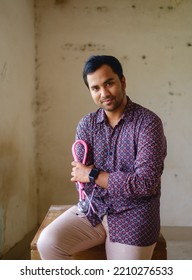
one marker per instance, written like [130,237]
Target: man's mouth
[107,101]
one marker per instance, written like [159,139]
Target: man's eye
[109,84]
[95,89]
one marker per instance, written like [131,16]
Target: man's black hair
[96,61]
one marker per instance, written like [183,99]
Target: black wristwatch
[93,175]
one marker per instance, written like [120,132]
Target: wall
[18,193]
[153,40]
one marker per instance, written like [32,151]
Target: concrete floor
[179,242]
[179,250]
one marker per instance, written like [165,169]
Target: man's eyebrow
[94,86]
[109,80]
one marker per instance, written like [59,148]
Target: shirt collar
[128,112]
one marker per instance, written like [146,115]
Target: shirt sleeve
[145,178]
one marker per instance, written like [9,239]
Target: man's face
[107,90]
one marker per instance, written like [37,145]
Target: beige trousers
[71,232]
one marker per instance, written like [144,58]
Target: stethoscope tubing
[80,184]
[82,193]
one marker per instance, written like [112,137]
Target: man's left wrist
[94,173]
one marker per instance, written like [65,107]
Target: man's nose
[104,92]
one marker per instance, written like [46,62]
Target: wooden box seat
[94,253]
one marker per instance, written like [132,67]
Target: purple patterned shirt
[133,154]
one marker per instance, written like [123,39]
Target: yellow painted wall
[18,193]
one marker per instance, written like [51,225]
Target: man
[122,175]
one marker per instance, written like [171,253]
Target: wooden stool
[95,253]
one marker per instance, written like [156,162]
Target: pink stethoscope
[82,205]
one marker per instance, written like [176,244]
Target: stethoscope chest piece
[83,206]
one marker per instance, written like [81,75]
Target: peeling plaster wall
[18,197]
[153,40]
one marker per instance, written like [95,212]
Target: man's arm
[80,173]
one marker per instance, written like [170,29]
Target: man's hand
[80,172]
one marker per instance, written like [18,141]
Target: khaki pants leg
[68,234]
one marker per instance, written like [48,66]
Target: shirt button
[110,153]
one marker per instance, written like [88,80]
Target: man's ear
[123,82]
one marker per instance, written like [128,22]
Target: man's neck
[115,116]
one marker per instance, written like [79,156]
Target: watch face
[93,174]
